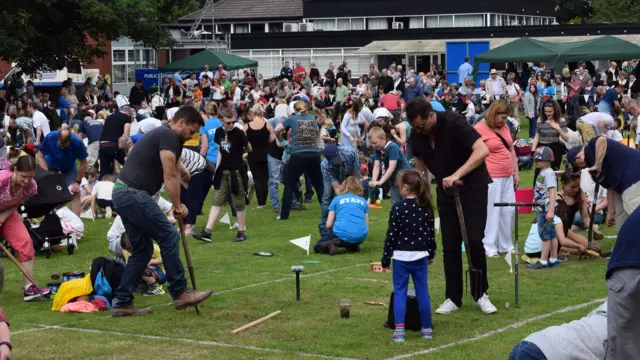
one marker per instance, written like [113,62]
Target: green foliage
[615,11]
[49,34]
[570,11]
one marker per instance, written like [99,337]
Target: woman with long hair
[531,105]
[217,91]
[502,165]
[401,134]
[349,129]
[361,88]
[16,186]
[260,134]
[550,128]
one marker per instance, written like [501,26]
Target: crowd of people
[385,135]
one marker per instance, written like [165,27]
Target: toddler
[101,195]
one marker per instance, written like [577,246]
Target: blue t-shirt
[350,225]
[92,129]
[62,159]
[606,104]
[391,152]
[620,167]
[626,253]
[209,129]
[136,137]
[437,106]
[304,133]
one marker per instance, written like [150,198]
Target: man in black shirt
[138,94]
[116,125]
[446,145]
[286,72]
[154,161]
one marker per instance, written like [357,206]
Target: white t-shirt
[365,115]
[84,182]
[149,124]
[171,112]
[188,84]
[121,101]
[135,128]
[208,73]
[471,110]
[323,133]
[41,122]
[381,112]
[102,190]
[282,110]
[145,112]
[588,186]
[594,118]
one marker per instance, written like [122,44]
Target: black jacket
[387,83]
[138,95]
[411,228]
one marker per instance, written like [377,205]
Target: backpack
[412,317]
[111,269]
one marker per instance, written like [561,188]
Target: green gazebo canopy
[212,58]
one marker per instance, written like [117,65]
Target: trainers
[236,226]
[537,266]
[398,336]
[493,255]
[190,298]
[205,235]
[130,310]
[562,258]
[32,292]
[555,264]
[261,207]
[485,305]
[153,290]
[240,237]
[298,206]
[447,307]
[426,334]
[108,213]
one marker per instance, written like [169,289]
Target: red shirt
[390,102]
[297,73]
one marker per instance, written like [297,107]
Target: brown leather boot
[130,310]
[190,298]
[334,246]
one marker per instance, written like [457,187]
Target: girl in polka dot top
[411,244]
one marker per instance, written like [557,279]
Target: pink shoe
[33,293]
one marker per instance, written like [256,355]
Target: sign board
[149,77]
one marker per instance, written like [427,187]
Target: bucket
[524,195]
[54,286]
[72,275]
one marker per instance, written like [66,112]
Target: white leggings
[497,233]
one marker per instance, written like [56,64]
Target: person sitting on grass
[545,195]
[347,221]
[153,276]
[86,187]
[101,195]
[364,180]
[411,243]
[389,155]
[230,176]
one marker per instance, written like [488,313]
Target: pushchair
[52,194]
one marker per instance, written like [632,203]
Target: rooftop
[250,9]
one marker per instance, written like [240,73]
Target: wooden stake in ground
[22,270]
[254,323]
[187,255]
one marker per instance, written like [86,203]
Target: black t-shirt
[275,151]
[81,115]
[114,126]
[232,144]
[454,139]
[143,169]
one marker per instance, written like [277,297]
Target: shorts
[104,203]
[546,229]
[221,195]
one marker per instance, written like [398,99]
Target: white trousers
[497,233]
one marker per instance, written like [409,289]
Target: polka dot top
[411,228]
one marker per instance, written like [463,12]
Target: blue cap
[572,154]
[332,154]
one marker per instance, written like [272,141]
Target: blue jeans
[144,221]
[577,221]
[275,174]
[327,195]
[70,176]
[525,350]
[418,270]
[532,127]
[546,229]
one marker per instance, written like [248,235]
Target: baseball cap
[572,154]
[543,153]
[332,154]
[493,71]
[30,149]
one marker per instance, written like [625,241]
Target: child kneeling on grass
[411,243]
[347,221]
[545,195]
[153,275]
[101,194]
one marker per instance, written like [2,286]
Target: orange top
[499,163]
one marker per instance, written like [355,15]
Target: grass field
[249,287]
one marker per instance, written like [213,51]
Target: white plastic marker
[225,219]
[436,224]
[611,236]
[303,242]
[507,258]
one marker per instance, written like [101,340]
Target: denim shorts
[546,229]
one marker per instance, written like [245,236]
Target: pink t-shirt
[499,163]
[7,201]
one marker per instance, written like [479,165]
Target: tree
[570,11]
[49,34]
[615,11]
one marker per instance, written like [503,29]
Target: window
[446,21]
[469,20]
[119,55]
[378,24]
[432,21]
[275,27]
[344,24]
[131,73]
[241,28]
[224,28]
[416,22]
[326,25]
[257,28]
[130,55]
[357,24]
[536,21]
[120,73]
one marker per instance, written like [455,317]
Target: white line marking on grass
[27,330]
[286,278]
[192,341]
[498,331]
[367,279]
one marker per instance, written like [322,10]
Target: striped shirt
[194,162]
[547,134]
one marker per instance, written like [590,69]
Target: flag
[507,258]
[225,219]
[436,224]
[303,242]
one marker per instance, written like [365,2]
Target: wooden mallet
[187,255]
[254,323]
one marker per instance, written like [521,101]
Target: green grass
[311,326]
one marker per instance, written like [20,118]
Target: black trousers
[474,208]
[260,172]
[107,154]
[298,164]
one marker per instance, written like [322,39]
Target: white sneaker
[109,213]
[485,305]
[447,307]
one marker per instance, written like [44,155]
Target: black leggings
[260,172]
[298,164]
